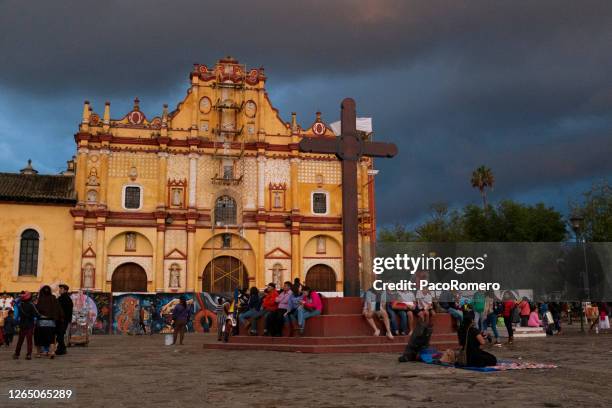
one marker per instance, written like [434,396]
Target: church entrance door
[321,278]
[224,274]
[129,277]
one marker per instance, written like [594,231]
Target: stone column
[191,257]
[77,254]
[162,179]
[160,282]
[193,178]
[101,266]
[295,198]
[81,173]
[261,180]
[195,111]
[104,159]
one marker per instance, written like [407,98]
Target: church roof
[37,188]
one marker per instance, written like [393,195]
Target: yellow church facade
[209,196]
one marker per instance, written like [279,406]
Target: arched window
[132,197]
[28,253]
[225,211]
[319,202]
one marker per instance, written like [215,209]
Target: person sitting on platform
[448,302]
[294,304]
[268,306]
[376,305]
[275,320]
[396,309]
[253,311]
[471,340]
[312,306]
[425,305]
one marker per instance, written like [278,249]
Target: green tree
[514,222]
[444,225]
[482,178]
[397,233]
[596,208]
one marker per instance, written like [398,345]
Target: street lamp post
[576,222]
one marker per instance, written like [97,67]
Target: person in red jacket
[268,305]
[509,305]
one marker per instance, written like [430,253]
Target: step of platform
[342,325]
[448,337]
[522,332]
[390,347]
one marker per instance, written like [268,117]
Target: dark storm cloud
[523,87]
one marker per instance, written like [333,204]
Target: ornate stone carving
[312,171]
[121,164]
[277,171]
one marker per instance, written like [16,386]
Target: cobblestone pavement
[140,371]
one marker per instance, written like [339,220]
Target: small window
[228,171]
[225,211]
[319,203]
[226,241]
[28,253]
[132,198]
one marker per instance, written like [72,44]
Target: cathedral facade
[209,196]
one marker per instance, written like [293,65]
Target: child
[223,310]
[9,328]
[425,305]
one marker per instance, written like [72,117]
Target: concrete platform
[340,329]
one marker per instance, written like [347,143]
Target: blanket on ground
[432,356]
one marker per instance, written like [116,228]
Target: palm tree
[482,178]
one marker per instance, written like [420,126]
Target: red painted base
[340,329]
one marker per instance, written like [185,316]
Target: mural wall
[136,313]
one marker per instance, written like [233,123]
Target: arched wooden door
[321,278]
[224,274]
[129,277]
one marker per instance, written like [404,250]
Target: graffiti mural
[205,316]
[102,324]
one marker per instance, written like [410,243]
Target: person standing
[27,314]
[180,316]
[66,305]
[525,311]
[9,328]
[509,305]
[491,310]
[50,312]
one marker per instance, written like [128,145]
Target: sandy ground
[135,371]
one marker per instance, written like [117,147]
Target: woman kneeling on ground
[471,340]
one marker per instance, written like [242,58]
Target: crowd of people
[39,322]
[292,306]
[398,311]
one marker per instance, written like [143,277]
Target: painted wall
[54,225]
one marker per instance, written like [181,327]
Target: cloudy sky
[524,87]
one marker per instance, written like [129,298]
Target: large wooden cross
[349,147]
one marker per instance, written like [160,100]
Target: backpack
[498,308]
[516,315]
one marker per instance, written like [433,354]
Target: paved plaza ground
[140,371]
